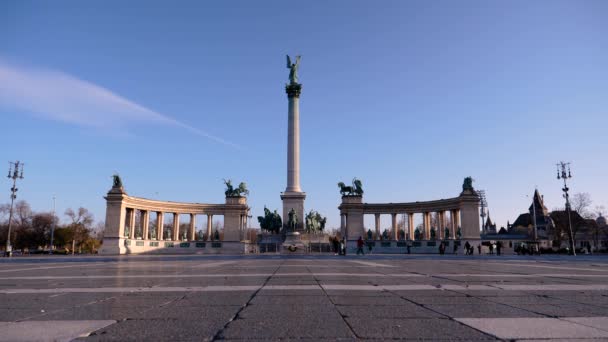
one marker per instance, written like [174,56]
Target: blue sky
[409,96]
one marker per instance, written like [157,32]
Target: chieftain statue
[356,189]
[240,191]
[446,234]
[467,184]
[315,223]
[270,222]
[292,223]
[116,181]
[293,69]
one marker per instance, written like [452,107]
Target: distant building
[524,224]
[489,227]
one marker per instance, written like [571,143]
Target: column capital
[293,90]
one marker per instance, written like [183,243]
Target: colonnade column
[456,221]
[426,223]
[160,222]
[453,224]
[192,227]
[410,225]
[394,226]
[440,230]
[342,225]
[145,222]
[209,223]
[346,226]
[377,222]
[132,224]
[175,227]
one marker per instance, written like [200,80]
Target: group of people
[339,245]
[469,249]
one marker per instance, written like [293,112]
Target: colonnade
[144,232]
[409,232]
[121,228]
[462,210]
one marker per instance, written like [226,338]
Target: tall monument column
[293,197]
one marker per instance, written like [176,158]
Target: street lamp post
[482,211]
[52,227]
[15,171]
[561,174]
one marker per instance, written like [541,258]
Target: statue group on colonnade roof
[356,189]
[239,191]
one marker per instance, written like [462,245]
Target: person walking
[479,249]
[491,248]
[343,246]
[498,247]
[360,246]
[467,248]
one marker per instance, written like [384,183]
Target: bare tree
[581,203]
[80,225]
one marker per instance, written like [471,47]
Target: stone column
[343,225]
[377,221]
[410,225]
[394,226]
[209,226]
[440,229]
[293,138]
[427,223]
[145,222]
[175,227]
[346,226]
[192,227]
[160,222]
[293,197]
[132,223]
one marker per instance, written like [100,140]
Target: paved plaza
[195,298]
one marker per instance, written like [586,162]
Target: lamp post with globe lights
[15,171]
[562,174]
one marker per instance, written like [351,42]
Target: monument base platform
[293,244]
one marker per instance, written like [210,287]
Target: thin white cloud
[59,96]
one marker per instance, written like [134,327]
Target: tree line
[31,231]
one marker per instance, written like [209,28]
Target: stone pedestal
[233,218]
[113,239]
[469,215]
[352,208]
[294,200]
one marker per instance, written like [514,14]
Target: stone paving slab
[529,328]
[428,329]
[49,331]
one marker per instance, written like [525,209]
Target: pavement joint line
[218,333]
[230,288]
[350,327]
[552,267]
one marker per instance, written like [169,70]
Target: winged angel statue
[293,69]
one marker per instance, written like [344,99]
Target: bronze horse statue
[356,189]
